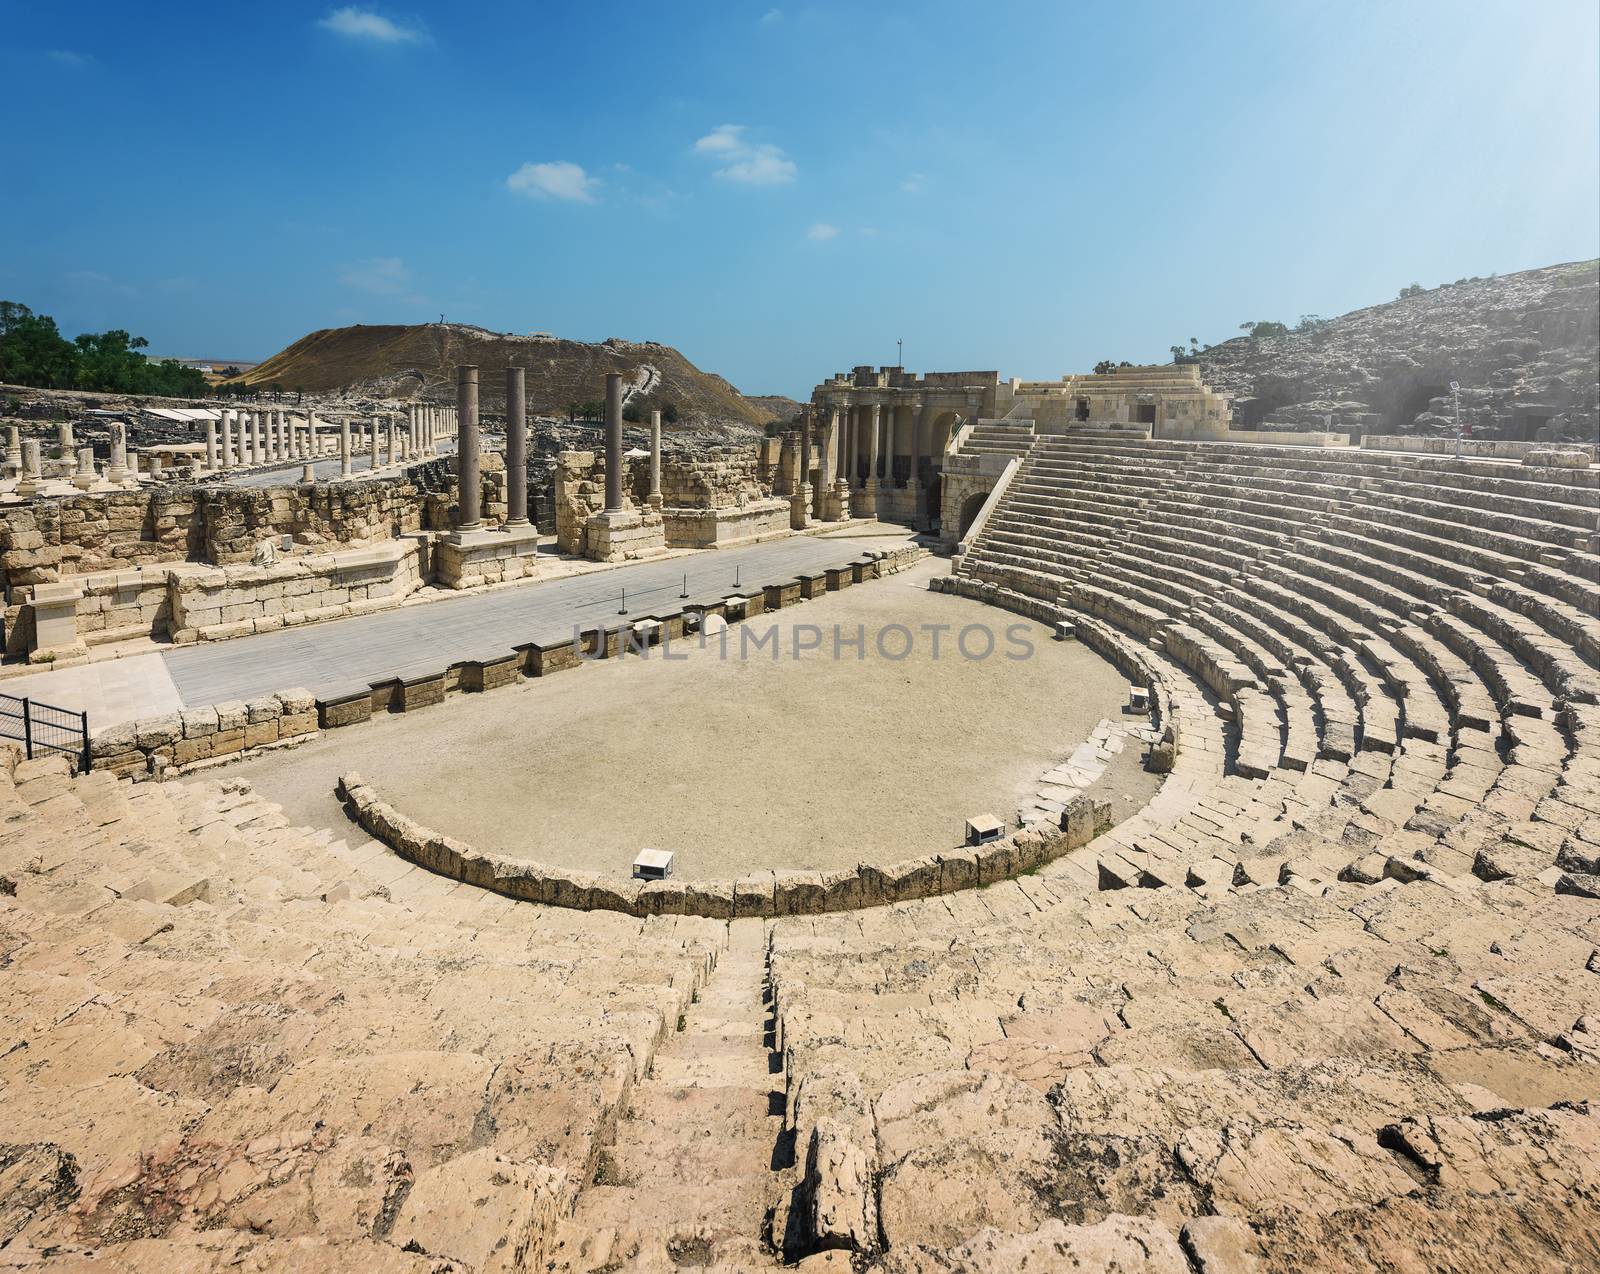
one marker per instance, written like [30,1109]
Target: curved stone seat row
[765,894]
[1294,646]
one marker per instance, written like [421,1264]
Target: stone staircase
[692,1175]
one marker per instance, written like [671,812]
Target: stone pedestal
[800,507]
[623,533]
[55,622]
[868,504]
[836,503]
[463,559]
[84,478]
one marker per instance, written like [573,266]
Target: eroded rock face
[1523,347]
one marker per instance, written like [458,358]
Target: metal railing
[43,728]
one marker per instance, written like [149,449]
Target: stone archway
[970,508]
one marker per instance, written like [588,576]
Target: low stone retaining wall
[1478,448]
[765,894]
[199,737]
[151,747]
[209,603]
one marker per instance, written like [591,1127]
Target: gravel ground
[738,763]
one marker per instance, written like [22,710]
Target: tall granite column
[655,458]
[257,451]
[873,416]
[613,442]
[469,517]
[211,446]
[344,447]
[516,448]
[391,429]
[372,460]
[919,420]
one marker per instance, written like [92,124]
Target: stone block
[958,870]
[160,731]
[799,893]
[199,722]
[553,656]
[292,724]
[490,674]
[188,751]
[422,692]
[780,595]
[348,710]
[259,733]
[754,895]
[297,701]
[260,711]
[839,577]
[227,742]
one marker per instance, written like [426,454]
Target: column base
[867,506]
[800,507]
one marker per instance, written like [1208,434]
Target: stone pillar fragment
[469,517]
[119,452]
[64,439]
[516,447]
[613,442]
[655,458]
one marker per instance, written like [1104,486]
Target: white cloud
[724,139]
[914,184]
[69,59]
[557,180]
[771,17]
[369,24]
[382,276]
[749,163]
[822,231]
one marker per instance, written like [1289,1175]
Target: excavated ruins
[1325,997]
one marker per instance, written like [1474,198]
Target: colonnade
[867,447]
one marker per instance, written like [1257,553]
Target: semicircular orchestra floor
[750,759]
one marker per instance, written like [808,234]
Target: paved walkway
[347,655]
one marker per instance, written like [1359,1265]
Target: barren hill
[421,361]
[1525,349]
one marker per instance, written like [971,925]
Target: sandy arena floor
[741,763]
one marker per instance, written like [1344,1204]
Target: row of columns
[266,437]
[469,507]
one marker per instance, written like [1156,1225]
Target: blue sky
[781,191]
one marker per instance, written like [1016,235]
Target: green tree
[32,351]
[1416,289]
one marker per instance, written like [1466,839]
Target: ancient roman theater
[974,824]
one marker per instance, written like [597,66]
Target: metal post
[83,727]
[27,728]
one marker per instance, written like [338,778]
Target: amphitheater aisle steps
[690,1177]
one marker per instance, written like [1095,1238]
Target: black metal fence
[42,728]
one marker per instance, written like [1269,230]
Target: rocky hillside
[1525,349]
[421,361]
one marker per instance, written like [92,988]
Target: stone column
[919,421]
[119,452]
[873,422]
[211,446]
[800,505]
[836,444]
[32,468]
[372,430]
[84,478]
[613,442]
[469,516]
[256,452]
[655,459]
[516,447]
[344,448]
[14,448]
[64,438]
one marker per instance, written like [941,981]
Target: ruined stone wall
[45,540]
[718,478]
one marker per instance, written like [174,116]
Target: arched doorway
[970,508]
[933,500]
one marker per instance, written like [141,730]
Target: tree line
[34,353]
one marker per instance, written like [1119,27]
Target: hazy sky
[782,191]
